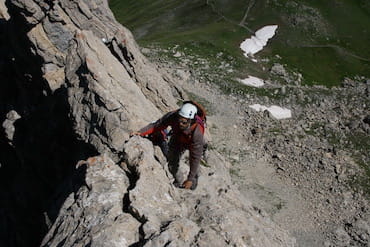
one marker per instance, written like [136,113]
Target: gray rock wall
[83,48]
[141,206]
[94,215]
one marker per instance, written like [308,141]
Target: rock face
[3,11]
[94,215]
[68,37]
[137,204]
[85,69]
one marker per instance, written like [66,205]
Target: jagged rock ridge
[125,196]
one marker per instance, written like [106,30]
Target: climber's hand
[135,133]
[187,184]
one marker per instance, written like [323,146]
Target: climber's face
[184,123]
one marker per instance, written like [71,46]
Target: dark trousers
[175,150]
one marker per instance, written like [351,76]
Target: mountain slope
[324,41]
[80,58]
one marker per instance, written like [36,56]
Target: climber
[187,126]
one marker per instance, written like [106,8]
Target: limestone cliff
[74,61]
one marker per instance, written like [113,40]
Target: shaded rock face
[38,145]
[73,85]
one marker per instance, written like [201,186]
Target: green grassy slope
[324,40]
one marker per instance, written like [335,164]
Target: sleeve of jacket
[158,125]
[196,151]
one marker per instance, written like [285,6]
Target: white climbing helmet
[188,111]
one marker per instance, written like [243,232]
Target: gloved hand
[187,184]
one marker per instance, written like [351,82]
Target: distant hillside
[325,41]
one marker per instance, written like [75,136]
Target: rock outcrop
[85,50]
[3,11]
[124,196]
[137,204]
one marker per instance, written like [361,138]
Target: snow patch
[177,54]
[276,112]
[258,41]
[253,81]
